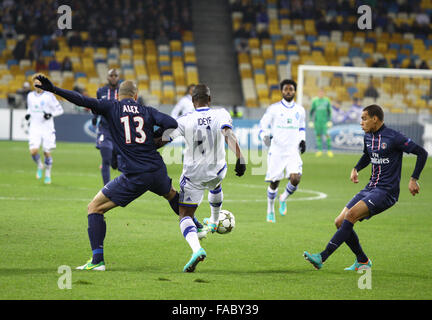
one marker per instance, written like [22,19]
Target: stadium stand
[150,42]
[273,35]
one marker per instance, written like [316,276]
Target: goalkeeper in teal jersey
[320,119]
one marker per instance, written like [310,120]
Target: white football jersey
[184,106]
[285,122]
[204,155]
[37,104]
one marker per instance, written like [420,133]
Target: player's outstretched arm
[422,155]
[232,142]
[71,96]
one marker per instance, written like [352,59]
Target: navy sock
[96,232]
[174,203]
[354,244]
[343,233]
[36,158]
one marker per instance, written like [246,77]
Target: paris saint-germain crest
[384,145]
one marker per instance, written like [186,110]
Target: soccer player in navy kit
[383,148]
[132,130]
[104,140]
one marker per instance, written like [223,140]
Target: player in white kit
[205,131]
[185,104]
[42,108]
[283,131]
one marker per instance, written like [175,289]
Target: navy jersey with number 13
[132,131]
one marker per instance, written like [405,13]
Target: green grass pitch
[45,226]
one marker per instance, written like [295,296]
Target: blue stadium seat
[80,75]
[11,62]
[29,73]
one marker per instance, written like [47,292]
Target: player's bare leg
[189,231]
[37,159]
[173,198]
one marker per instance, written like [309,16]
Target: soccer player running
[104,140]
[321,115]
[205,132]
[185,104]
[384,148]
[283,131]
[132,129]
[42,108]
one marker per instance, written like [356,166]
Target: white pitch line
[318,196]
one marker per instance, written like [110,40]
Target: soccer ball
[226,222]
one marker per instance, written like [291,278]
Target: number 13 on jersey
[140,134]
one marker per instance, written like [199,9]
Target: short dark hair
[288,81]
[201,93]
[375,110]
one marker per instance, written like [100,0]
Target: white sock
[215,198]
[289,190]
[36,158]
[271,196]
[48,165]
[189,231]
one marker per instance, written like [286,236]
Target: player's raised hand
[240,167]
[354,175]
[45,84]
[302,146]
[47,116]
[413,186]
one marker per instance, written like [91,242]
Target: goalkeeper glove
[45,84]
[27,116]
[47,116]
[302,146]
[240,167]
[329,124]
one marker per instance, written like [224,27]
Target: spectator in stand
[41,65]
[66,64]
[423,65]
[54,65]
[19,52]
[412,64]
[371,91]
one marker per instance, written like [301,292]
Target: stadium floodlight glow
[396,72]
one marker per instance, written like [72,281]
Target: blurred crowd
[332,15]
[106,21]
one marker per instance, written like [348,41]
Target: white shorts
[45,137]
[279,167]
[192,192]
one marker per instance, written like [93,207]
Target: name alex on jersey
[131,109]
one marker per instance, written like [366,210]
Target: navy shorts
[377,200]
[127,187]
